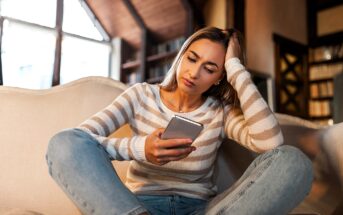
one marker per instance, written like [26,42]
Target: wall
[265,17]
[215,13]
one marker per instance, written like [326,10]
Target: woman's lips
[188,83]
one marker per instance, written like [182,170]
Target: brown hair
[223,92]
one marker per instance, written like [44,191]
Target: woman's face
[201,66]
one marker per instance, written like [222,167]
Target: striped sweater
[253,126]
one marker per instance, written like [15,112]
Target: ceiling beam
[239,15]
[135,15]
[98,25]
[145,39]
[197,7]
[190,17]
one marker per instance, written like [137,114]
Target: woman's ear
[220,79]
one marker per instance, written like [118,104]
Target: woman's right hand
[233,49]
[160,152]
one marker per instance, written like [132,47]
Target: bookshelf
[325,62]
[157,62]
[291,77]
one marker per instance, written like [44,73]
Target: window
[29,43]
[27,56]
[81,58]
[76,21]
[42,12]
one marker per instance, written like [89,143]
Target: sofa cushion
[29,118]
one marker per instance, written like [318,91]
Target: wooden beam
[144,40]
[229,15]
[95,20]
[330,39]
[323,5]
[197,13]
[190,18]
[239,14]
[135,15]
[290,45]
[58,50]
[311,22]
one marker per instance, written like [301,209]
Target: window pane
[41,12]
[82,58]
[77,21]
[27,56]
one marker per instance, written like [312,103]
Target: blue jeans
[274,183]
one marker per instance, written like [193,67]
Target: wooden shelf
[161,56]
[321,117]
[320,80]
[152,58]
[131,64]
[322,98]
[154,80]
[325,62]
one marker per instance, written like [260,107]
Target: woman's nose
[195,72]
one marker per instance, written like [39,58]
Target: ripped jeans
[274,183]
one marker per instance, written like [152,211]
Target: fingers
[174,143]
[160,151]
[167,155]
[233,49]
[166,160]
[173,148]
[175,152]
[158,132]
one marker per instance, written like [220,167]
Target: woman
[208,84]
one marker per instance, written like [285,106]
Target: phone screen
[181,127]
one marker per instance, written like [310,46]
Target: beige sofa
[29,118]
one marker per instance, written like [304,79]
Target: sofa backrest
[28,119]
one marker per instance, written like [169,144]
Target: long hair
[223,92]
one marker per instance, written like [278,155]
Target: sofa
[29,118]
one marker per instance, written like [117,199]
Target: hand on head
[234,49]
[160,152]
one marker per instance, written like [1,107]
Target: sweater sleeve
[110,119]
[253,125]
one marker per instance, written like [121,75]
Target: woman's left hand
[233,49]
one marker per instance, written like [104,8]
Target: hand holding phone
[172,143]
[181,127]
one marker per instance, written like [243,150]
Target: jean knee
[63,144]
[297,163]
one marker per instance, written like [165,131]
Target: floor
[322,200]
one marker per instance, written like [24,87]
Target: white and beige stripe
[253,126]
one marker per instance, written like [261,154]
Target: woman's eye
[191,59]
[209,70]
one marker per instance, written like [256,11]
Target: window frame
[59,37]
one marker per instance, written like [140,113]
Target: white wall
[265,17]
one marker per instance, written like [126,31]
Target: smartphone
[181,127]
